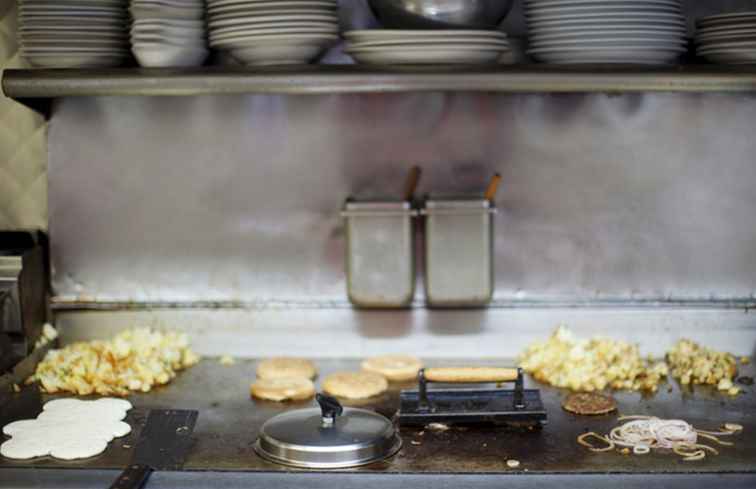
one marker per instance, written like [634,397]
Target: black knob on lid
[330,408]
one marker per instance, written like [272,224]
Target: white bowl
[293,12]
[213,4]
[277,54]
[168,31]
[169,56]
[257,32]
[275,39]
[160,11]
[198,42]
[267,19]
[180,24]
[173,3]
[276,7]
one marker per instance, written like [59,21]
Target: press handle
[471,375]
[330,408]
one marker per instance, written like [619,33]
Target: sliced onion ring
[581,440]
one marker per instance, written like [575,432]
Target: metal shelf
[35,88]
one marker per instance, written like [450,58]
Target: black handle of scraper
[133,477]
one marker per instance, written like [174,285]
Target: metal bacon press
[517,407]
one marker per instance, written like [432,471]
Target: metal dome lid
[328,437]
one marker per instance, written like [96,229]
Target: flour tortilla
[67,429]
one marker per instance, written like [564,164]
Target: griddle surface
[229,420]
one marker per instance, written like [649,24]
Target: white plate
[603,34]
[216,36]
[396,34]
[172,3]
[420,42]
[425,56]
[725,22]
[599,26]
[298,12]
[76,3]
[50,35]
[107,44]
[80,20]
[546,3]
[606,23]
[75,60]
[572,11]
[63,8]
[727,16]
[621,57]
[221,3]
[740,44]
[263,19]
[279,27]
[260,39]
[277,54]
[714,31]
[601,17]
[714,42]
[272,5]
[609,49]
[42,21]
[639,42]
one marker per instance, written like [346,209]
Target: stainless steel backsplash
[236,198]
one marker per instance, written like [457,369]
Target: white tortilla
[68,429]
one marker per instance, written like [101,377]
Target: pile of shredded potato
[692,363]
[590,365]
[134,360]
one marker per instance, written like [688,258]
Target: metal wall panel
[236,198]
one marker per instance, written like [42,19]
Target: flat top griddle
[229,421]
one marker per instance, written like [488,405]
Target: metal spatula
[163,445]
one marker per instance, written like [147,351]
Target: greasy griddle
[229,422]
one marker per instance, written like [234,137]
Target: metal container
[441,14]
[329,437]
[459,252]
[380,258]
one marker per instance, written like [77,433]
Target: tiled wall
[23,147]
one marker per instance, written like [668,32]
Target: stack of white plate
[384,46]
[728,38]
[73,33]
[606,31]
[271,32]
[168,32]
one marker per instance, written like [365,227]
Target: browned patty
[589,403]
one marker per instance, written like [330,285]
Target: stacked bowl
[168,32]
[273,32]
[73,33]
[606,31]
[397,47]
[727,38]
